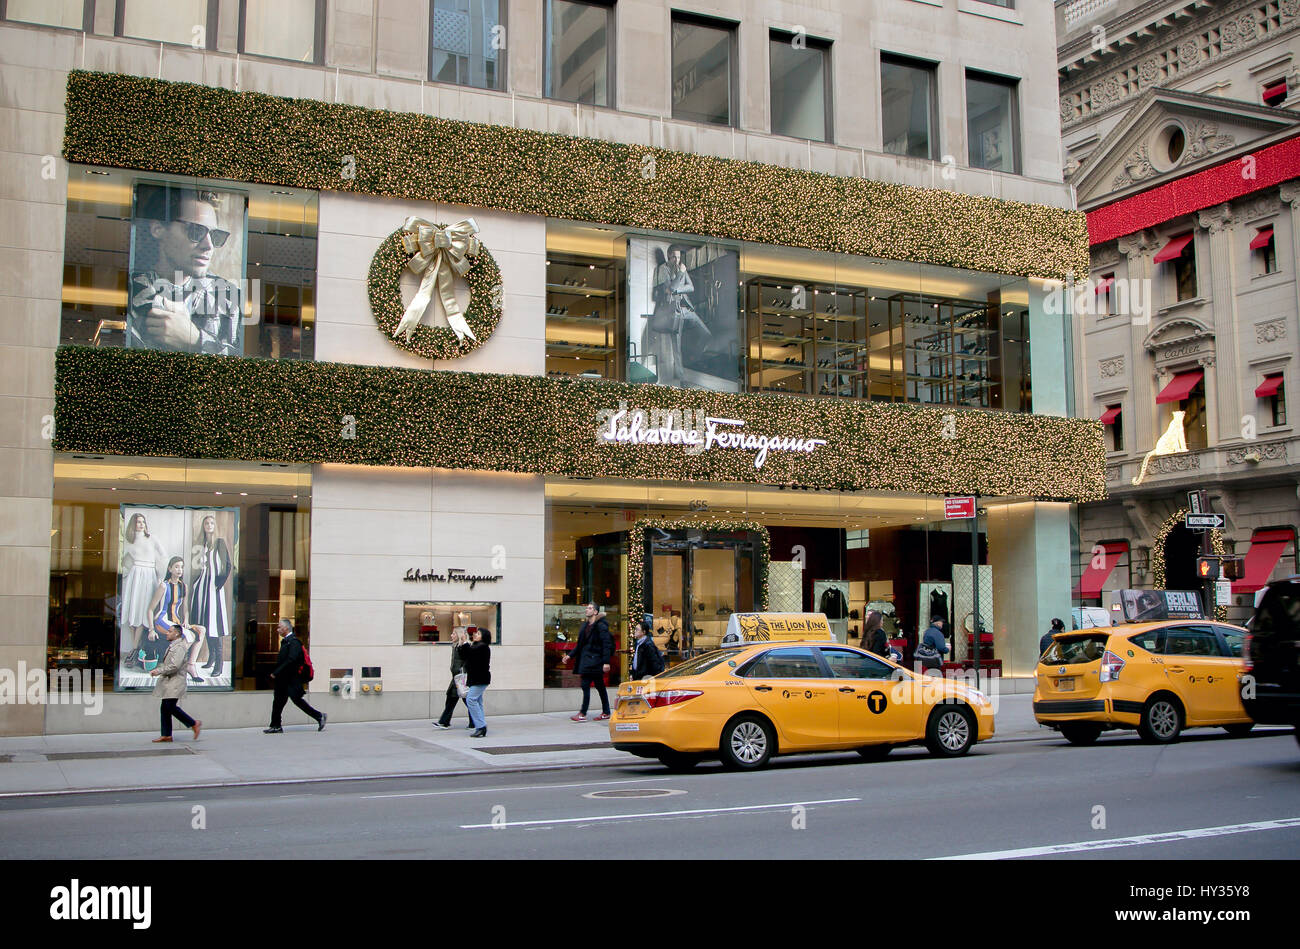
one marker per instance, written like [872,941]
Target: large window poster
[683,314]
[177,565]
[187,269]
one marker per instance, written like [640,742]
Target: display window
[138,544]
[730,316]
[428,621]
[188,265]
[686,556]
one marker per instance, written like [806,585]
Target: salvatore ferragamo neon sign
[634,427]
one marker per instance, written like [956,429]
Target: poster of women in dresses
[683,314]
[177,565]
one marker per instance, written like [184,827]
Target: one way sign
[1203,522]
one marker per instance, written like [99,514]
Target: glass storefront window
[163,262]
[221,547]
[704,70]
[427,621]
[578,52]
[908,107]
[285,29]
[184,22]
[800,77]
[467,43]
[992,123]
[70,14]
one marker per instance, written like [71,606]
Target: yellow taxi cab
[1156,677]
[767,691]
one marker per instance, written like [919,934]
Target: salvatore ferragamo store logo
[453,575]
[694,431]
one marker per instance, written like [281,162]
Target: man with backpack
[646,658]
[292,670]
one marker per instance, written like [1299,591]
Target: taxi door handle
[762,688]
[845,688]
[1175,668]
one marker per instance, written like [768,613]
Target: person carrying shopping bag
[458,638]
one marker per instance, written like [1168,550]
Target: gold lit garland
[433,342]
[133,122]
[179,405]
[636,557]
[1158,553]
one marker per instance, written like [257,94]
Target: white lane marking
[703,810]
[1084,845]
[534,787]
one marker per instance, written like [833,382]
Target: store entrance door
[695,579]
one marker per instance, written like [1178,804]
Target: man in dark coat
[591,658]
[288,681]
[646,660]
[1057,627]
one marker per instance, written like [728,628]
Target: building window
[69,14]
[467,43]
[908,107]
[1005,4]
[1275,92]
[801,90]
[1113,419]
[284,29]
[704,70]
[1264,249]
[1194,419]
[1105,285]
[160,262]
[992,123]
[1278,406]
[1181,253]
[184,22]
[1272,390]
[579,52]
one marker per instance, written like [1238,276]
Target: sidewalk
[60,763]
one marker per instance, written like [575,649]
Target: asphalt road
[1001,799]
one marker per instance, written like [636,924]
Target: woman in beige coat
[170,686]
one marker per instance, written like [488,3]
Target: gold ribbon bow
[438,253]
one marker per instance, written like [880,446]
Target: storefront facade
[676,404]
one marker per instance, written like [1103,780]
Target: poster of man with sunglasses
[181,236]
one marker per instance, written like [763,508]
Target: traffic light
[1234,568]
[1206,568]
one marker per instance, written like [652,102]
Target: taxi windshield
[699,664]
[1068,650]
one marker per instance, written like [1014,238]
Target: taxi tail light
[1111,666]
[672,697]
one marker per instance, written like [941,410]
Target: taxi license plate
[1065,685]
[632,708]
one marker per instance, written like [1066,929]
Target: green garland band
[433,342]
[181,405]
[636,557]
[155,125]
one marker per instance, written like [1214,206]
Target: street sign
[1203,522]
[957,508]
[1223,592]
[1198,502]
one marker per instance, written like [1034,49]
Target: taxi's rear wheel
[1162,719]
[1239,729]
[748,743]
[1080,734]
[950,731]
[678,761]
[875,752]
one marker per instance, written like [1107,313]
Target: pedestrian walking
[933,647]
[477,656]
[1058,626]
[646,658]
[171,685]
[288,676]
[458,638]
[590,657]
[874,637]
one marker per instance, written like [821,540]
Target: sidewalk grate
[95,755]
[543,749]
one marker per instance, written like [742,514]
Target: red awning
[1174,248]
[1275,91]
[1095,577]
[1262,238]
[1269,386]
[1109,416]
[1180,387]
[1104,285]
[1266,548]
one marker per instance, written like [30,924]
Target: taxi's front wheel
[747,744]
[950,731]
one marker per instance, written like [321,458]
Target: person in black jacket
[591,656]
[477,657]
[1058,626]
[288,681]
[874,638]
[646,660]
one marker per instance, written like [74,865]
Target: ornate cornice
[1216,219]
